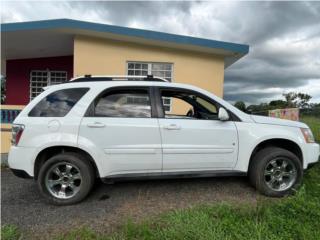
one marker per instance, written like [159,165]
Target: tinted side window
[59,103]
[134,103]
[187,105]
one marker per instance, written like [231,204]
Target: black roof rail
[90,78]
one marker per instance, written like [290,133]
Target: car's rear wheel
[275,172]
[66,178]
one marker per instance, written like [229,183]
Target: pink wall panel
[18,73]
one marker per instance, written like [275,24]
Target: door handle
[96,125]
[172,127]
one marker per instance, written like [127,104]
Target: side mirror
[223,115]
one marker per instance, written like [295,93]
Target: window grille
[163,70]
[41,79]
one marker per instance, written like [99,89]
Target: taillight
[17,130]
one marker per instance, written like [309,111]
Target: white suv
[116,128]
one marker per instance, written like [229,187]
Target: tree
[277,104]
[300,100]
[303,100]
[290,99]
[240,105]
[261,109]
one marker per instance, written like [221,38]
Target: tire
[265,175]
[67,185]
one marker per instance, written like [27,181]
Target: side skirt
[170,175]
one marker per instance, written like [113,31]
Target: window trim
[90,110]
[161,112]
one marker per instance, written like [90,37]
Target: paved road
[110,205]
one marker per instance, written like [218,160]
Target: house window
[163,70]
[41,79]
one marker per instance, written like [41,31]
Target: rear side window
[131,103]
[59,103]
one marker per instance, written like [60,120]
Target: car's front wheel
[66,178]
[275,172]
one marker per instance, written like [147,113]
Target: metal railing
[8,115]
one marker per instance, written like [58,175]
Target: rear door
[121,123]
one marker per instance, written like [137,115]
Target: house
[40,53]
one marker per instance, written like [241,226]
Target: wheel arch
[278,142]
[49,152]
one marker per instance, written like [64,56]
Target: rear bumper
[20,173]
[22,159]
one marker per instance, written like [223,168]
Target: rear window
[59,103]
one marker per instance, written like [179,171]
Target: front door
[120,123]
[193,139]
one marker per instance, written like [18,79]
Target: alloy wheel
[280,174]
[63,180]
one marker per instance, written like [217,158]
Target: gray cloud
[284,37]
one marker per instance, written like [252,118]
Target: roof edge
[134,32]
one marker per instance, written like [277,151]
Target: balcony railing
[8,115]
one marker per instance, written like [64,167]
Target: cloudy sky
[284,37]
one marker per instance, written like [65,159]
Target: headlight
[308,136]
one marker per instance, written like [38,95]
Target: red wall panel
[18,74]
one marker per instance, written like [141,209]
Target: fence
[8,114]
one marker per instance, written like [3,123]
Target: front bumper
[312,154]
